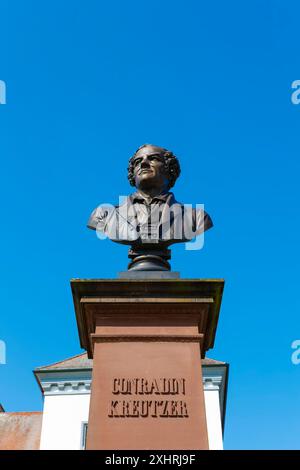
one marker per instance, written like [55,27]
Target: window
[84,427]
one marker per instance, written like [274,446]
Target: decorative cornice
[109,338]
[76,387]
[63,382]
[185,297]
[84,386]
[212,382]
[216,379]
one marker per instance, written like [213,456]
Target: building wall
[63,420]
[64,415]
[67,398]
[213,419]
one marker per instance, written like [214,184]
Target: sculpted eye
[136,162]
[155,157]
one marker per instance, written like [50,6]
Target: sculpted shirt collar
[166,197]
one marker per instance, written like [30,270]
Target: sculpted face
[149,169]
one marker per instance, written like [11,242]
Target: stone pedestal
[146,338]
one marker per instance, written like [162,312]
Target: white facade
[66,387]
[63,421]
[67,397]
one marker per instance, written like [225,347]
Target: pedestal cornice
[190,302]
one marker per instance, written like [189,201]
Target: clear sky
[88,82]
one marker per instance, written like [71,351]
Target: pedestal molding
[146,338]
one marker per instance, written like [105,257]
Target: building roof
[81,361]
[20,431]
[212,362]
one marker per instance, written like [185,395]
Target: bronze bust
[150,220]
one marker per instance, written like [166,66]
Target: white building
[66,388]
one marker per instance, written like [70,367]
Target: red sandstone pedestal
[146,338]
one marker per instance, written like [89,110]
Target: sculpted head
[153,167]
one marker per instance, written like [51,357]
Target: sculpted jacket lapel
[171,219]
[177,221]
[127,220]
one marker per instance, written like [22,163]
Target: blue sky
[87,83]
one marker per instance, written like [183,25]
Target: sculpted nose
[145,163]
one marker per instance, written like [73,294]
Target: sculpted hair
[172,165]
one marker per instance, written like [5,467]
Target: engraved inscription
[150,408]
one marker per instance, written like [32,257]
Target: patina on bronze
[150,220]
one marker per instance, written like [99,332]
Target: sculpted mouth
[145,171]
